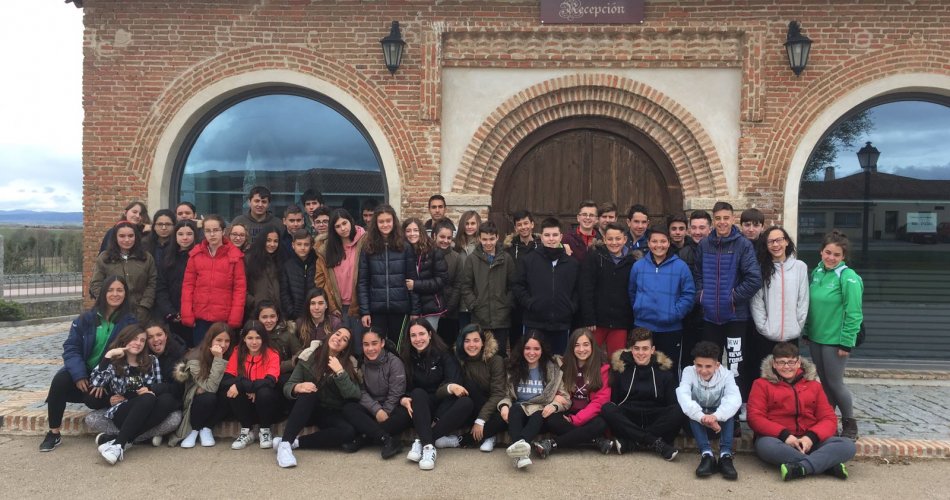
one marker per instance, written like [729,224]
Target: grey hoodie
[384,383]
[779,310]
[720,392]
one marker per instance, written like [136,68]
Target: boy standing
[710,398]
[257,217]
[437,213]
[581,239]
[297,277]
[486,277]
[293,222]
[638,220]
[752,221]
[605,305]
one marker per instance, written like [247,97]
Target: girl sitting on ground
[202,371]
[250,380]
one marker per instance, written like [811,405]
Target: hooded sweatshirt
[780,409]
[639,388]
[719,392]
[779,310]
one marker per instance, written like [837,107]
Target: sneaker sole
[55,445]
[518,450]
[673,457]
[426,466]
[523,464]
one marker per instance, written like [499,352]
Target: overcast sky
[41,111]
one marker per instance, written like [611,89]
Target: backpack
[859,339]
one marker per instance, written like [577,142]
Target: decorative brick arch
[667,123]
[905,68]
[198,90]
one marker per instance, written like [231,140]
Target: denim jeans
[701,434]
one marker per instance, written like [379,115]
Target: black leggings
[523,426]
[366,424]
[388,325]
[568,435]
[207,409]
[448,415]
[334,430]
[140,414]
[263,410]
[63,390]
[495,423]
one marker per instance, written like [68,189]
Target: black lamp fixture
[392,48]
[798,47]
[867,158]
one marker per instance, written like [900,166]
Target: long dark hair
[114,253]
[334,250]
[424,245]
[151,240]
[102,305]
[376,242]
[125,336]
[591,369]
[436,344]
[765,258]
[242,351]
[322,356]
[306,328]
[203,351]
[257,261]
[518,366]
[268,304]
[175,252]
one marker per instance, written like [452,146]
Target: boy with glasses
[581,239]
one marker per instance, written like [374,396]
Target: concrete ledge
[38,321]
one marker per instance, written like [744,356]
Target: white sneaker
[415,453]
[449,441]
[428,457]
[743,412]
[190,439]
[488,445]
[278,440]
[265,439]
[157,441]
[285,456]
[243,440]
[112,452]
[206,437]
[522,462]
[519,449]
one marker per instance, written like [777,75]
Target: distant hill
[34,218]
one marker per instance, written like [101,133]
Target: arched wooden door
[574,159]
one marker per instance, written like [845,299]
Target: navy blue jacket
[381,285]
[297,278]
[661,295]
[82,339]
[727,276]
[603,289]
[547,293]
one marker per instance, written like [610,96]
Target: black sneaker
[353,446]
[727,469]
[838,470]
[51,441]
[666,451]
[603,445]
[391,447]
[707,466]
[543,447]
[792,471]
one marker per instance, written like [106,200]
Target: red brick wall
[144,59]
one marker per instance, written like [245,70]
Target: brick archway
[664,121]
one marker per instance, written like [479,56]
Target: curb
[33,423]
[37,321]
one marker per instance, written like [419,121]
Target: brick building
[499,111]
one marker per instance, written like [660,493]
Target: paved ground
[76,471]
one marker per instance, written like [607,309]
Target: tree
[844,135]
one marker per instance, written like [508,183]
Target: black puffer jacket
[453,262]
[547,293]
[603,289]
[432,371]
[382,282]
[168,290]
[639,388]
[296,280]
[432,275]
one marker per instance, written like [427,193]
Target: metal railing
[21,286]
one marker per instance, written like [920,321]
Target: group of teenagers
[607,337]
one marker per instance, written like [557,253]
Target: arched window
[905,199]
[286,139]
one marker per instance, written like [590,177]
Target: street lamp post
[867,158]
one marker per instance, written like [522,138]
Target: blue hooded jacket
[661,295]
[727,277]
[82,339]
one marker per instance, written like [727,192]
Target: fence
[43,263]
[21,286]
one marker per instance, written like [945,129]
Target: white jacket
[719,392]
[779,311]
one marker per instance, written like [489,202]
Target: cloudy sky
[41,110]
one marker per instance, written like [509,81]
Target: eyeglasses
[164,224]
[215,230]
[791,362]
[776,241]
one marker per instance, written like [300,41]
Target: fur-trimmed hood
[510,239]
[808,370]
[620,359]
[489,350]
[181,372]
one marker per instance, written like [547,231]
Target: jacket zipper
[781,336]
[718,279]
[386,259]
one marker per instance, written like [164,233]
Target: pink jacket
[597,400]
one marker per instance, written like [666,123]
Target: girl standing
[250,380]
[337,271]
[214,287]
[436,399]
[467,238]
[125,256]
[171,275]
[135,213]
[322,382]
[262,267]
[202,371]
[780,307]
[534,392]
[162,234]
[586,375]
[431,272]
[484,377]
[238,236]
[386,263]
[835,316]
[132,379]
[449,322]
[88,337]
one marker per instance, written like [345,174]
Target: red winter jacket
[256,368]
[597,400]
[214,288]
[779,409]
